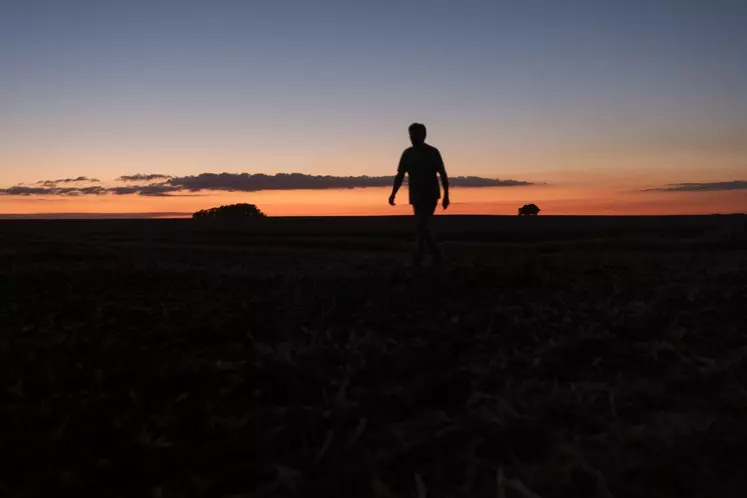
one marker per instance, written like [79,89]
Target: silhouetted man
[422,162]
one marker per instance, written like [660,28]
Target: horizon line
[183,215]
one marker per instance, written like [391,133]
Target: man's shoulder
[432,150]
[425,147]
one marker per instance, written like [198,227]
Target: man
[422,162]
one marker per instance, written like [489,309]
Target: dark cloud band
[53,183]
[63,191]
[246,182]
[239,182]
[143,178]
[702,187]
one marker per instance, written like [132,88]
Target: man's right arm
[397,184]
[401,170]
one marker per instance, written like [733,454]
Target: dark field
[556,357]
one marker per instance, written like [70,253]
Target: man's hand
[391,200]
[446,202]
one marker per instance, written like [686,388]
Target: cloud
[143,178]
[159,190]
[63,191]
[702,187]
[53,183]
[93,190]
[234,182]
[246,182]
[476,181]
[22,190]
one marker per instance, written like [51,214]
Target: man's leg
[420,241]
[429,237]
[423,215]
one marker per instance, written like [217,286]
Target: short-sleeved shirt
[422,163]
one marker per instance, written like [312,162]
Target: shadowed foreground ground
[170,360]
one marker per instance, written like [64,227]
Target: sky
[606,107]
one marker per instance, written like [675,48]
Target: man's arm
[444,181]
[397,184]
[401,170]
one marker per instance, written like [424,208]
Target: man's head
[417,133]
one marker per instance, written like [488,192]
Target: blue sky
[507,88]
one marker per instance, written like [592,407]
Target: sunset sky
[607,107]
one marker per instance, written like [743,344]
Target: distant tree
[529,210]
[231,211]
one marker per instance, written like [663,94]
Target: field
[555,357]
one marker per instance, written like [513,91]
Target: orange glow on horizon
[373,202]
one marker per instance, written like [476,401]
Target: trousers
[424,211]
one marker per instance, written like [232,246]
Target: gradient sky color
[600,97]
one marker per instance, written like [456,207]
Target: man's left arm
[444,181]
